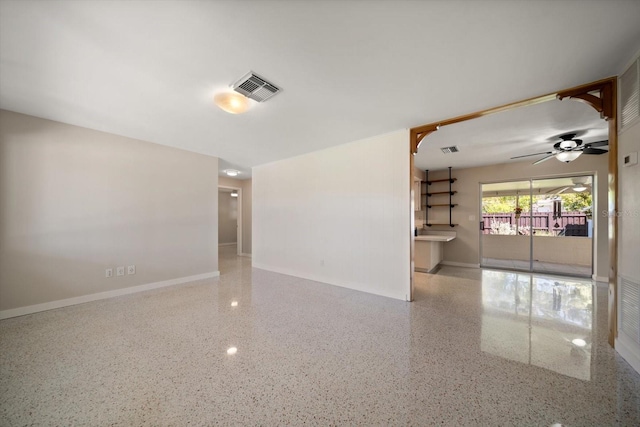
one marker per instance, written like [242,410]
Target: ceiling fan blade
[589,150]
[536,154]
[556,190]
[544,159]
[598,144]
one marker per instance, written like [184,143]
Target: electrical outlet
[108,272]
[120,271]
[131,269]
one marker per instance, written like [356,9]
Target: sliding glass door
[541,225]
[563,228]
[504,238]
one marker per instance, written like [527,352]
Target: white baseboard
[628,350]
[333,282]
[228,244]
[245,255]
[600,278]
[21,311]
[459,264]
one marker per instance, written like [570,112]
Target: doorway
[601,95]
[230,217]
[542,225]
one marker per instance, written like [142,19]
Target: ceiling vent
[255,87]
[452,149]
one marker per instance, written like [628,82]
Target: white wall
[567,250]
[227,218]
[628,234]
[340,216]
[74,201]
[465,249]
[629,206]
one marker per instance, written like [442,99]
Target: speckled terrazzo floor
[475,348]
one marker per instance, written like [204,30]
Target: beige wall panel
[74,201]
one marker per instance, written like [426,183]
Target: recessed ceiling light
[234,303]
[232,350]
[232,172]
[232,102]
[234,194]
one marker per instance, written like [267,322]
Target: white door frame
[239,219]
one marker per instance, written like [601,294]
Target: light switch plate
[131,269]
[120,271]
[630,159]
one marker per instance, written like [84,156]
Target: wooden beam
[420,132]
[603,105]
[612,199]
[412,223]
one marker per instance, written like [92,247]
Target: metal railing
[539,221]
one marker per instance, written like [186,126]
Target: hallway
[477,347]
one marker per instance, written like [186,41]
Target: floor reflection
[538,266]
[539,320]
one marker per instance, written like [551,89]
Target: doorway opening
[601,95]
[540,225]
[230,217]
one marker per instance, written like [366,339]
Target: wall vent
[630,309]
[630,94]
[452,149]
[255,87]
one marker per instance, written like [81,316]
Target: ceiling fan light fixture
[232,102]
[568,156]
[231,172]
[579,188]
[568,144]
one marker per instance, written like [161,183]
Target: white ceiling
[549,186]
[348,69]
[496,138]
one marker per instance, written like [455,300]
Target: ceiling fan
[569,149]
[579,184]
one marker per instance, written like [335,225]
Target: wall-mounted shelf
[452,180]
[429,194]
[441,192]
